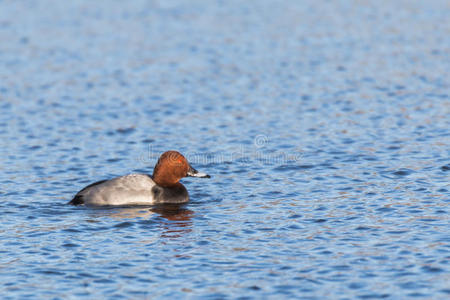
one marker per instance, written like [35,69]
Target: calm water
[325,126]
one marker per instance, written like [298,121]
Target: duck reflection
[179,216]
[177,219]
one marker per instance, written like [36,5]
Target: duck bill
[194,173]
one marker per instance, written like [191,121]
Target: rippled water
[325,126]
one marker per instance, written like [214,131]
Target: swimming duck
[141,189]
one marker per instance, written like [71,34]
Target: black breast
[176,194]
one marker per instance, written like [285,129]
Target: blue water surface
[325,126]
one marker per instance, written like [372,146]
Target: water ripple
[324,125]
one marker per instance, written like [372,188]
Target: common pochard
[141,189]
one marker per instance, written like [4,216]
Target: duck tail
[77,200]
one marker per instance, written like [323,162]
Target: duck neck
[165,179]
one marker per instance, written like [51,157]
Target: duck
[163,187]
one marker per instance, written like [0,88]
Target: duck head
[171,167]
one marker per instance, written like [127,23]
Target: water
[325,126]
